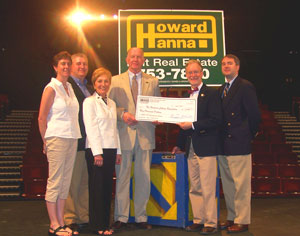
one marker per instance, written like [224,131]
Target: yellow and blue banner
[168,204]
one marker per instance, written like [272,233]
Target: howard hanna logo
[173,35]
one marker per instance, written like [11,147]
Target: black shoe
[118,225]
[194,227]
[143,225]
[130,226]
[83,225]
[74,226]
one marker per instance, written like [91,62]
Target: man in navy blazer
[76,213]
[201,142]
[241,122]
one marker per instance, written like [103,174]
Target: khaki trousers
[77,203]
[202,175]
[236,181]
[61,154]
[142,162]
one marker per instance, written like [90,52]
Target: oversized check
[164,109]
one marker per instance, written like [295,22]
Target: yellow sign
[181,35]
[170,38]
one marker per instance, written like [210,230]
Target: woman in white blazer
[103,150]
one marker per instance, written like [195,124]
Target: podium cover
[168,204]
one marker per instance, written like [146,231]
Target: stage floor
[270,217]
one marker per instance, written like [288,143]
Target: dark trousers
[100,188]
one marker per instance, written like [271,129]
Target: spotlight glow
[78,17]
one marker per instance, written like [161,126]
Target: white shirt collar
[200,86]
[138,75]
[231,81]
[57,82]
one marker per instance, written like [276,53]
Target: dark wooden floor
[270,217]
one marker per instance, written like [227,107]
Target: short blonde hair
[99,72]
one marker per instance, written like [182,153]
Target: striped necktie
[134,88]
[226,88]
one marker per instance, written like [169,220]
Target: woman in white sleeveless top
[59,128]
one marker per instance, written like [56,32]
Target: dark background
[263,33]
